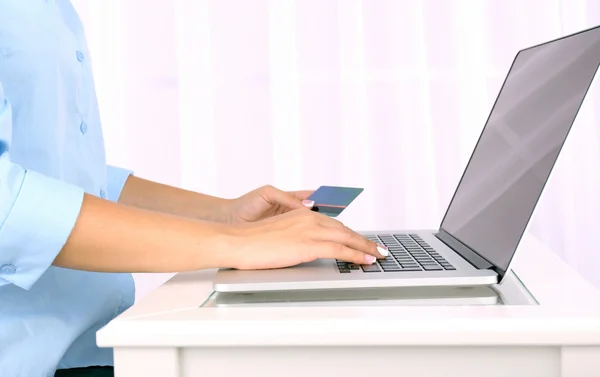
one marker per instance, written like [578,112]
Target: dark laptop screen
[520,143]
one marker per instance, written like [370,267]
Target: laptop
[495,197]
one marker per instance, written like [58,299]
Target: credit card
[333,200]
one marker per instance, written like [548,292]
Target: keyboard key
[353,267]
[370,268]
[344,271]
[432,268]
[411,265]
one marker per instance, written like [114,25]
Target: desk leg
[146,362]
[580,361]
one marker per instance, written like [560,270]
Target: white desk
[169,334]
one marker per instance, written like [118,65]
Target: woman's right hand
[296,237]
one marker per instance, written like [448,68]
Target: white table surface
[170,334]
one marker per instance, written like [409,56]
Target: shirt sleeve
[117,177]
[37,214]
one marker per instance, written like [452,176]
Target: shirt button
[83,127]
[103,194]
[80,56]
[8,269]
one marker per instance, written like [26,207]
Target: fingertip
[370,259]
[308,203]
[383,250]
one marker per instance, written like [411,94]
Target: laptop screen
[519,145]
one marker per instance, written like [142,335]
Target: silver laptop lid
[519,146]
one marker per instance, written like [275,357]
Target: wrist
[217,245]
[210,209]
[221,211]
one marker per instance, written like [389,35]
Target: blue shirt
[51,152]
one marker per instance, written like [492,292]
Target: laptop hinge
[464,251]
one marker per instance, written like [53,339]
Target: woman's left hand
[265,202]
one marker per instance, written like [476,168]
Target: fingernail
[370,259]
[383,250]
[308,203]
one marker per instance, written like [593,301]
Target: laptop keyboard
[408,252]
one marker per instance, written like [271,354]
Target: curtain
[225,96]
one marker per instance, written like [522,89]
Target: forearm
[157,197]
[110,237]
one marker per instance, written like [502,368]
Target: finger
[331,223]
[332,250]
[302,195]
[286,199]
[347,237]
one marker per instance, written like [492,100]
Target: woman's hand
[296,237]
[137,240]
[264,203]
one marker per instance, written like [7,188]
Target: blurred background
[224,96]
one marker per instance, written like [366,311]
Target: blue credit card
[333,200]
